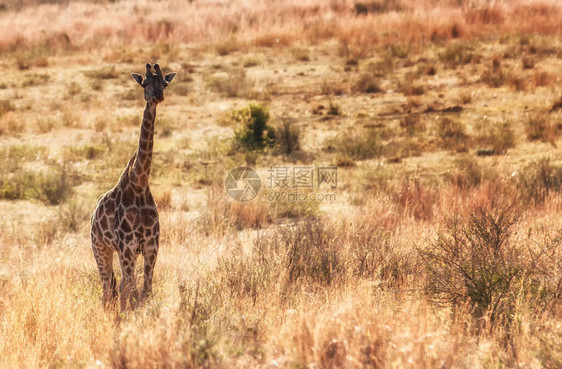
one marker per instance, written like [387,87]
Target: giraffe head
[153,84]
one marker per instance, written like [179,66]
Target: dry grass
[441,247]
[315,20]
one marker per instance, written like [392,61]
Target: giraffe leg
[129,292]
[150,254]
[104,259]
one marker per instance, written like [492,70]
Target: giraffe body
[126,218]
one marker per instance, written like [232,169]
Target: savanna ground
[442,247]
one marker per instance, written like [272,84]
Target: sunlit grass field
[437,246]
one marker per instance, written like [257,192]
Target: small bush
[288,137]
[452,135]
[537,180]
[469,173]
[254,133]
[54,186]
[476,261]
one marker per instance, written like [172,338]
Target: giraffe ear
[137,77]
[169,76]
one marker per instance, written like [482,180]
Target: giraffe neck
[143,160]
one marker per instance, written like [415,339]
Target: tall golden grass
[330,293]
[87,25]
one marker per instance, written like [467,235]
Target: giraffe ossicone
[126,219]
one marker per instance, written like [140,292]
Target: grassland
[442,247]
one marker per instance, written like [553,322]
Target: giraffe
[126,219]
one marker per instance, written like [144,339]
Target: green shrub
[254,133]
